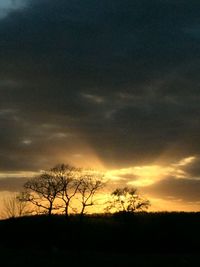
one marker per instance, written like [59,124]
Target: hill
[146,239]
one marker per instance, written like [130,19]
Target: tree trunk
[67,210]
[50,208]
[82,210]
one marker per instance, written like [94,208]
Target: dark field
[149,239]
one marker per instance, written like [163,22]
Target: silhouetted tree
[14,207]
[127,200]
[90,183]
[42,191]
[69,182]
[63,183]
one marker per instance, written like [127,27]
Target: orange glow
[138,176]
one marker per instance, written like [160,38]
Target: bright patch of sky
[7,6]
[148,175]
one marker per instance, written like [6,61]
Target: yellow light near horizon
[149,171]
[17,174]
[139,175]
[172,204]
[149,174]
[185,161]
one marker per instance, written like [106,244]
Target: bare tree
[127,200]
[14,207]
[68,177]
[42,191]
[58,187]
[90,183]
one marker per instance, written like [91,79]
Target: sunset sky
[108,84]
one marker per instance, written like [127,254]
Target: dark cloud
[121,76]
[193,169]
[184,189]
[12,184]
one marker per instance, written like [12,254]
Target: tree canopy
[127,199]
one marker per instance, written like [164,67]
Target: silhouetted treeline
[66,189]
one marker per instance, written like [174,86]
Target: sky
[112,85]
